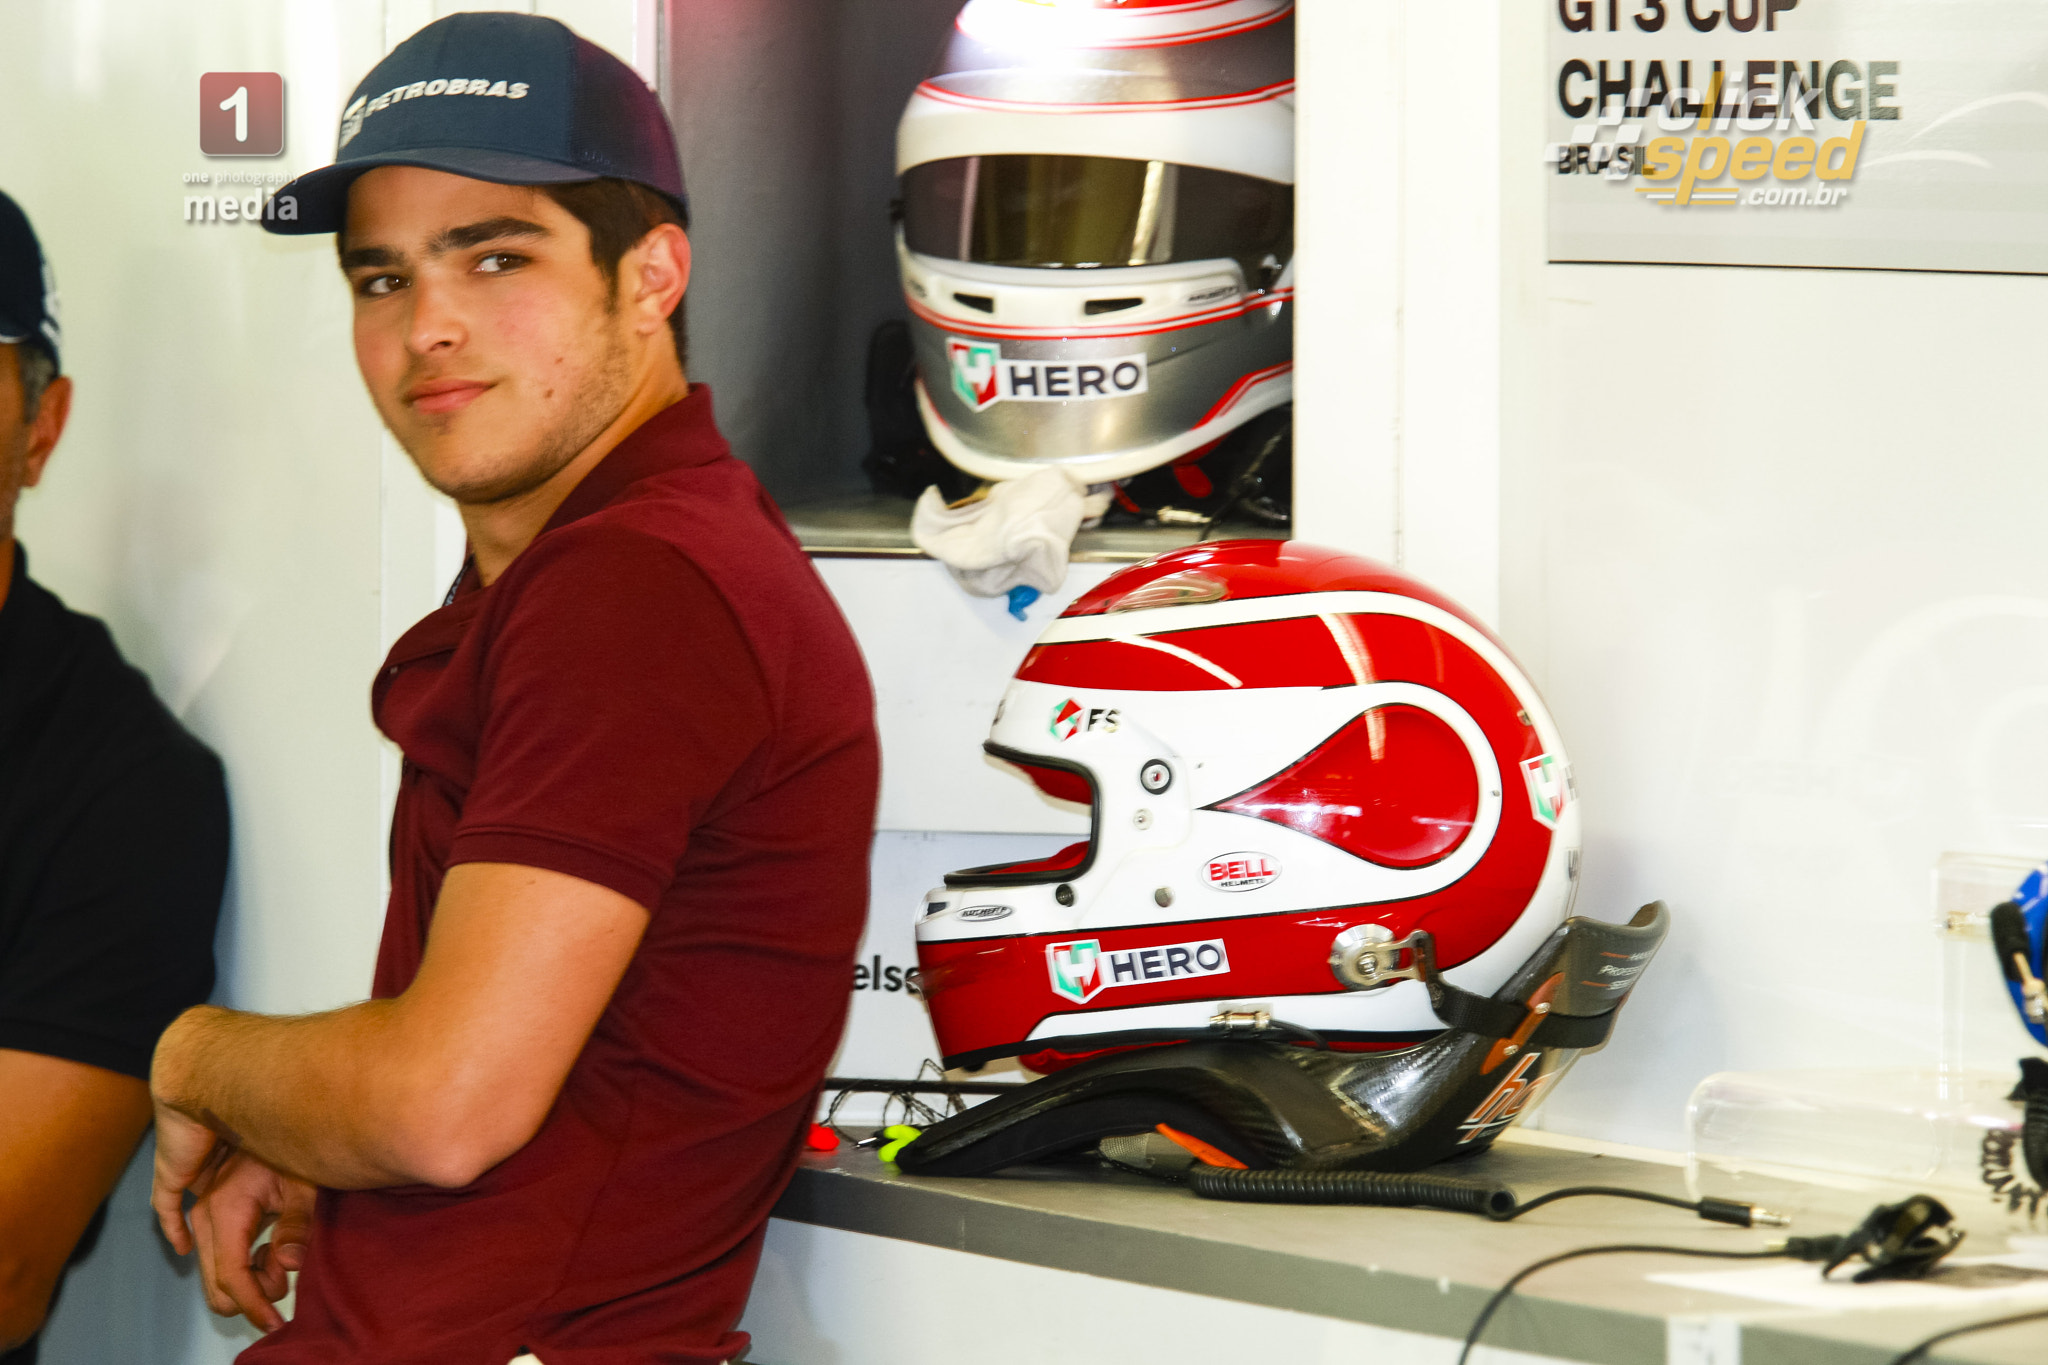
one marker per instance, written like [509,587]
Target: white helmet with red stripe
[1290,755]
[1097,240]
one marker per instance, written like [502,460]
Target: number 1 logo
[241,113]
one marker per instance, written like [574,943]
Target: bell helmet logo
[1241,871]
[974,372]
[1549,787]
[1076,969]
[986,912]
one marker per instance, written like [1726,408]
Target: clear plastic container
[1949,1130]
[1954,1135]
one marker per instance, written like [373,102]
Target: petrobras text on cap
[358,112]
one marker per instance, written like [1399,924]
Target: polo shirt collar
[680,436]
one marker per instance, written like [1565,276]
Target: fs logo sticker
[1550,787]
[1070,718]
[1076,969]
[974,371]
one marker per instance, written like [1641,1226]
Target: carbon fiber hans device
[1268,1105]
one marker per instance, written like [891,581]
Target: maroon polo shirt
[658,696]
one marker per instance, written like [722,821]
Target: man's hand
[243,1197]
[186,1152]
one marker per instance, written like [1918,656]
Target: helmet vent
[1097,306]
[1175,590]
[980,303]
[1395,787]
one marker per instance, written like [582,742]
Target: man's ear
[48,428]
[659,268]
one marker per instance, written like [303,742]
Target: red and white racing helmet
[1291,758]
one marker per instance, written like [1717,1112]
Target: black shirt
[113,846]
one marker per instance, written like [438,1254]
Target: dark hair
[618,213]
[37,367]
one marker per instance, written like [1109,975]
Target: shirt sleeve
[621,698]
[119,939]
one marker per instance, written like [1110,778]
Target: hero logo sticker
[974,371]
[1076,969]
[1081,970]
[1550,787]
[1070,718]
[982,378]
[1241,871]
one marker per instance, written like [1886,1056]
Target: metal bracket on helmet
[1366,957]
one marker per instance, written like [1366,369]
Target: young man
[113,850]
[629,853]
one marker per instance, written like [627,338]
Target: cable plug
[1740,1214]
[1822,1248]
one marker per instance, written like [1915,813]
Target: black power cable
[1460,1194]
[1898,1241]
[1732,1211]
[1919,1351]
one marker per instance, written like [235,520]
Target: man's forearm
[329,1097]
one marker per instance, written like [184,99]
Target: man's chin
[469,477]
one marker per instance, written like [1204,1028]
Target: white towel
[1017,534]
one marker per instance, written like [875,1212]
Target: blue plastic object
[2032,899]
[1022,596]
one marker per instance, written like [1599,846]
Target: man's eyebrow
[357,258]
[476,234]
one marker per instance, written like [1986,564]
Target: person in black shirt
[113,853]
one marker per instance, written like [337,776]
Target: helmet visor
[1095,212]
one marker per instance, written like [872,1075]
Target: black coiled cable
[1459,1194]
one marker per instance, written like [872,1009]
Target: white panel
[1347,340]
[1792,611]
[1451,306]
[1398,324]
[940,660]
[853,1299]
[216,498]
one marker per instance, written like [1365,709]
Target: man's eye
[376,286]
[498,262]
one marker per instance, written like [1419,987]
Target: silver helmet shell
[1097,234]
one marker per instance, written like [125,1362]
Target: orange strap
[1202,1151]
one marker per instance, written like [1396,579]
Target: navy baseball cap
[510,98]
[28,288]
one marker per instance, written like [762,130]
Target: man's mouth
[441,396]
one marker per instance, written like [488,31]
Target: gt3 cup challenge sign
[1880,134]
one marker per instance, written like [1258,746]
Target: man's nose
[437,323]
